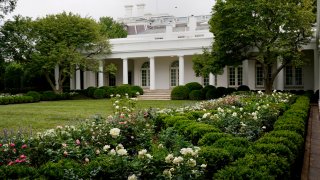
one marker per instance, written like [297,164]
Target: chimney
[192,24]
[140,9]
[128,9]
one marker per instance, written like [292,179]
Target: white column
[181,70]
[56,76]
[152,74]
[72,84]
[100,77]
[125,70]
[280,77]
[85,80]
[211,79]
[78,79]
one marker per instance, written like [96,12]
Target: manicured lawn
[46,115]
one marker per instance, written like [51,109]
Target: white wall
[189,74]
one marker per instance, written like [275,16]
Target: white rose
[132,177]
[114,132]
[122,152]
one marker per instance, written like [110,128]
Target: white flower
[86,160]
[117,107]
[167,173]
[264,127]
[203,165]
[205,115]
[192,163]
[111,95]
[142,152]
[106,147]
[241,109]
[122,152]
[137,93]
[112,152]
[169,158]
[132,177]
[177,160]
[116,102]
[234,114]
[97,151]
[243,124]
[160,146]
[118,95]
[114,132]
[119,146]
[149,156]
[186,151]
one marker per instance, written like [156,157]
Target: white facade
[157,54]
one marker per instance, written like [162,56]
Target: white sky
[112,8]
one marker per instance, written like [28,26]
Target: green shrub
[207,88]
[216,158]
[48,96]
[196,130]
[194,115]
[180,93]
[278,149]
[232,141]
[64,169]
[171,120]
[123,89]
[210,138]
[193,86]
[90,91]
[196,95]
[221,91]
[230,90]
[99,94]
[159,122]
[35,95]
[136,89]
[18,172]
[110,91]
[243,88]
[212,94]
[256,166]
[294,148]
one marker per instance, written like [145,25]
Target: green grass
[46,115]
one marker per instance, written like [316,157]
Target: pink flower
[14,150]
[64,145]
[12,145]
[0,145]
[24,146]
[17,161]
[10,163]
[65,153]
[22,156]
[78,142]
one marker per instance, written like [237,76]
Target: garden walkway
[311,164]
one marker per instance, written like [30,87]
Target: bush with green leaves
[35,95]
[180,93]
[123,90]
[207,88]
[243,88]
[48,96]
[193,86]
[90,91]
[99,94]
[212,94]
[196,95]
[135,89]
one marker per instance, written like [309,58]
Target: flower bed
[193,142]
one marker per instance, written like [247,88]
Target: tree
[69,42]
[266,31]
[112,29]
[6,6]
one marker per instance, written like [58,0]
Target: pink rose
[24,146]
[12,144]
[78,142]
[10,163]
[23,156]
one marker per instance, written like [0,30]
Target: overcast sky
[112,8]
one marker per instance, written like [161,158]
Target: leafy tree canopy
[261,30]
[112,29]
[6,6]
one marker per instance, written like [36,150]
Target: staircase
[159,94]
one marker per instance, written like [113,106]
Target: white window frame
[238,76]
[294,75]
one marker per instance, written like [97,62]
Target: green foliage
[99,94]
[7,6]
[48,96]
[256,166]
[240,26]
[196,130]
[206,89]
[230,90]
[172,140]
[196,95]
[180,93]
[111,68]
[14,74]
[4,100]
[216,158]
[111,28]
[90,91]
[64,169]
[123,90]
[193,86]
[211,94]
[243,88]
[135,89]
[221,91]
[35,95]
[210,138]
[18,172]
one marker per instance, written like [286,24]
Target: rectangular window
[293,76]
[260,75]
[206,81]
[235,76]
[215,80]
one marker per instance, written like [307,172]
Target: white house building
[157,54]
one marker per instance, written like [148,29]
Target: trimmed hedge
[196,95]
[193,86]
[180,93]
[243,88]
[276,155]
[99,94]
[35,95]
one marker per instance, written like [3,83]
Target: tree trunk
[51,83]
